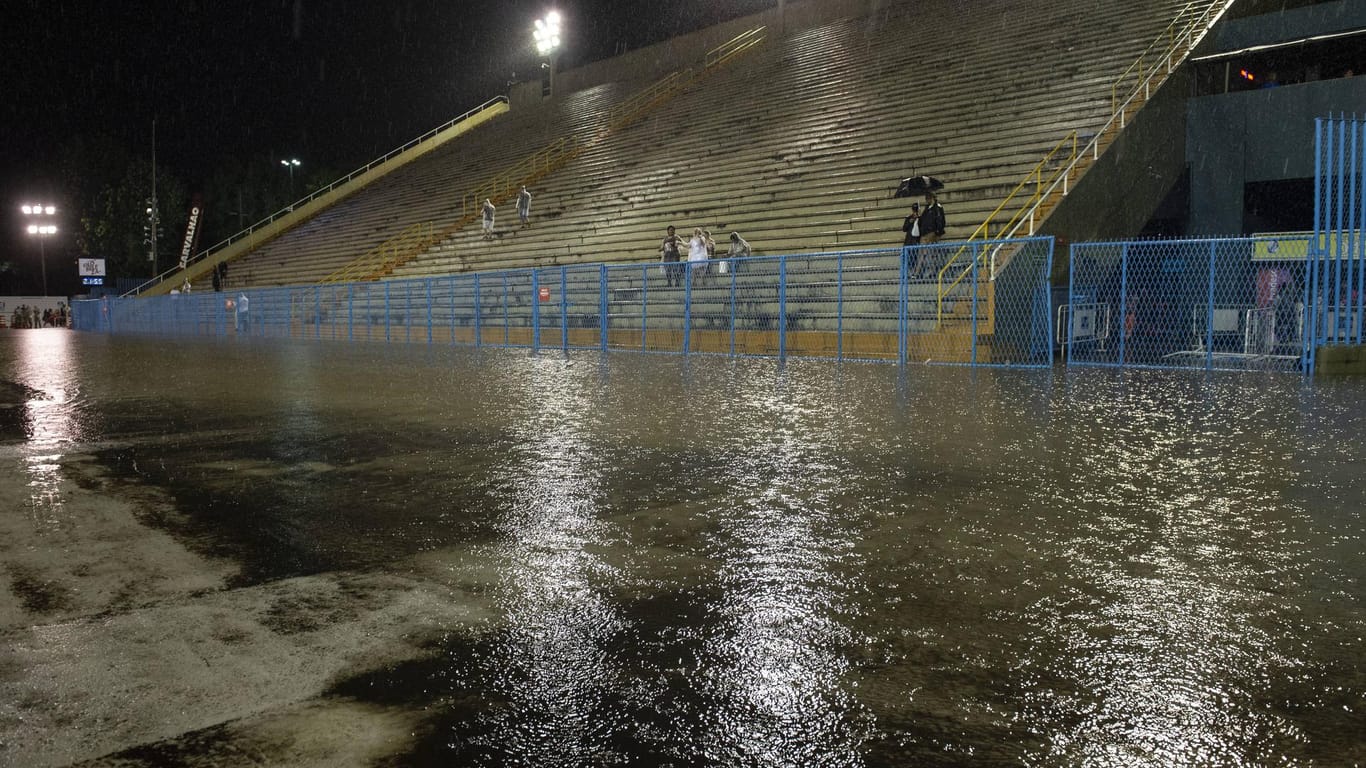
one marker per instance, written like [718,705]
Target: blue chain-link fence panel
[1219,304]
[1337,258]
[983,303]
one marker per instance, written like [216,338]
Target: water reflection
[777,662]
[1177,524]
[45,366]
[553,666]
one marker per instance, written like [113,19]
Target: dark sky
[334,82]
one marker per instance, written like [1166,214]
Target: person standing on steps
[931,225]
[524,206]
[488,212]
[670,253]
[697,254]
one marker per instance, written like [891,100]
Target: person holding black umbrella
[930,227]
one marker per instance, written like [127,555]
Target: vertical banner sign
[191,241]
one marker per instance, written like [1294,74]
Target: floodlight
[33,229]
[28,210]
[51,209]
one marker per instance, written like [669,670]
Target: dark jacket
[932,220]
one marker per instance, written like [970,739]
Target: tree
[113,225]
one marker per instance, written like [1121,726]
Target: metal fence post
[839,307]
[902,301]
[687,309]
[734,268]
[1209,308]
[507,327]
[1359,242]
[317,312]
[1123,299]
[644,304]
[1312,255]
[782,308]
[350,312]
[564,309]
[535,310]
[386,313]
[428,285]
[602,306]
[478,315]
[976,262]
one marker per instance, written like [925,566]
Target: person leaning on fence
[739,247]
[524,206]
[488,212]
[931,225]
[670,254]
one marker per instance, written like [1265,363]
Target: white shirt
[697,249]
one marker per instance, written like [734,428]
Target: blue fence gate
[1226,304]
[1337,258]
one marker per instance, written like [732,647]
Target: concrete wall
[1123,190]
[653,62]
[1281,26]
[1266,135]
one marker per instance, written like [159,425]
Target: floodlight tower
[547,35]
[291,164]
[41,231]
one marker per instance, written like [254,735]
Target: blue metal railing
[845,305]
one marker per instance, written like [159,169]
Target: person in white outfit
[488,217]
[697,254]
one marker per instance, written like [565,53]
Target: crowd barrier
[986,303]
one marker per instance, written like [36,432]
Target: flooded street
[217,553]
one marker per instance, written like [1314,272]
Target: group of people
[489,211]
[31,317]
[700,249]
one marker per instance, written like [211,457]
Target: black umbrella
[918,185]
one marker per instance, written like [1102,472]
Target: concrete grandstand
[797,144]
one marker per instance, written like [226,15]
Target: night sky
[333,82]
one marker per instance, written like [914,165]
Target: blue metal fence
[1337,258]
[984,303]
[1228,304]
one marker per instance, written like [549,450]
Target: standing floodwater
[243,554]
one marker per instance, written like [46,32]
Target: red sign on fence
[545,293]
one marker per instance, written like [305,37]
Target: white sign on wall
[92,267]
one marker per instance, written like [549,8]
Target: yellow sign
[1294,246]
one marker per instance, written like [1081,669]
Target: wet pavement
[321,555]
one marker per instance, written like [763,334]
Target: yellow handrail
[1060,164]
[1178,33]
[417,237]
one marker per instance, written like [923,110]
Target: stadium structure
[792,127]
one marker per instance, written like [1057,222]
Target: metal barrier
[1225,304]
[1337,253]
[858,305]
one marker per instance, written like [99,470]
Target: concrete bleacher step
[797,147]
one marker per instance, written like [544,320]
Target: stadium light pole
[41,231]
[291,164]
[547,36]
